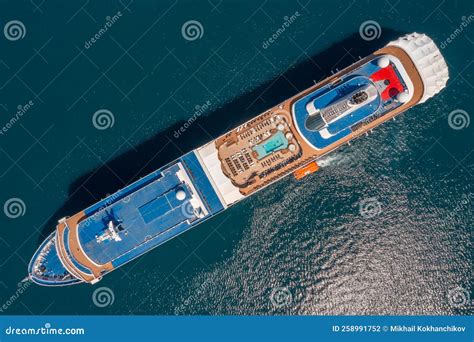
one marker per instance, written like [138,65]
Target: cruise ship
[284,140]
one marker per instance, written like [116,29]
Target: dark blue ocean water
[294,248]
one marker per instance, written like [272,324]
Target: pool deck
[310,150]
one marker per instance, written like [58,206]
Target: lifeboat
[306,170]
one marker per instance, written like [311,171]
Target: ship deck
[148,213]
[240,150]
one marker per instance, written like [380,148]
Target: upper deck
[316,121]
[345,102]
[136,219]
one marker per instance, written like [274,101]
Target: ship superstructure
[286,139]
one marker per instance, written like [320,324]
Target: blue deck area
[54,269]
[148,211]
[123,193]
[328,94]
[201,182]
[68,251]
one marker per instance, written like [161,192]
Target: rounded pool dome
[383,62]
[403,97]
[180,194]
